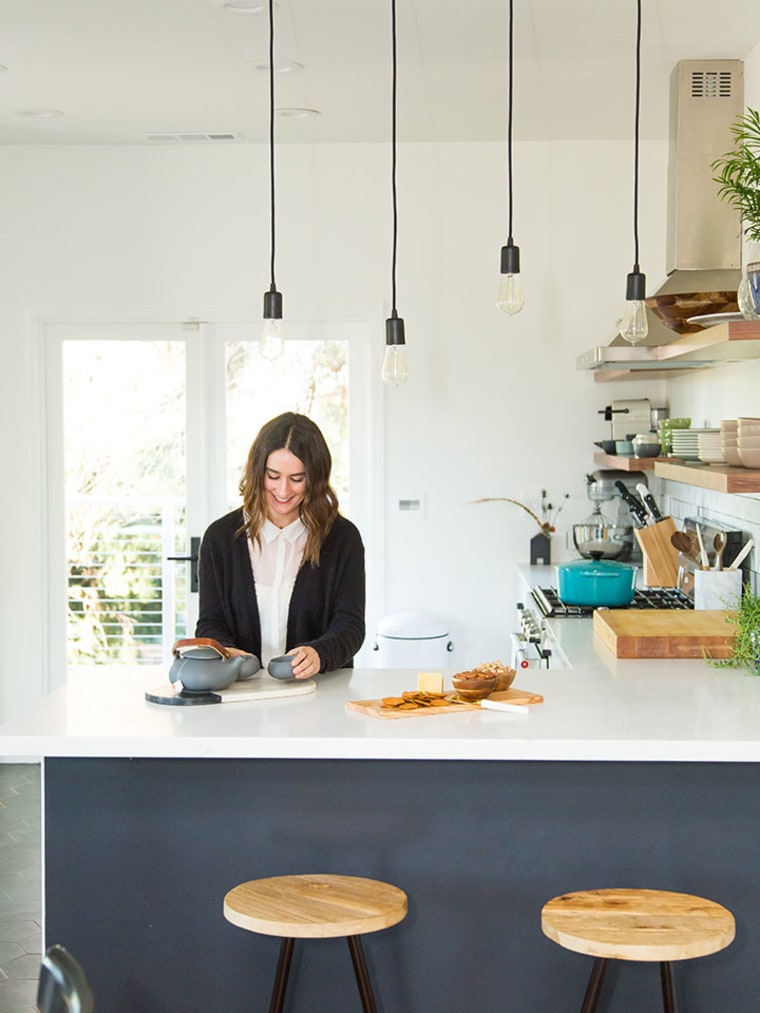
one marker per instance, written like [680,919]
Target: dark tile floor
[20,889]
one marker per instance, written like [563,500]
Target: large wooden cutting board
[375,709]
[665,633]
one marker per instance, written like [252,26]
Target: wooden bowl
[505,679]
[675,309]
[473,687]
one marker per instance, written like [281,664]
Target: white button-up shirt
[275,566]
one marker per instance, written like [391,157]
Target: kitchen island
[630,773]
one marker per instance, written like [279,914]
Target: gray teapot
[203,665]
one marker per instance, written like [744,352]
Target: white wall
[494,406]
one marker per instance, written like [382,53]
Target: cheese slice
[430,682]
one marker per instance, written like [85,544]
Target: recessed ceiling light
[42,114]
[282,67]
[243,6]
[295,112]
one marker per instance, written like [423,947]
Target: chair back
[63,985]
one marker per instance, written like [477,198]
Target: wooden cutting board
[375,709]
[665,633]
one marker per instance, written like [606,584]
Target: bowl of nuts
[480,682]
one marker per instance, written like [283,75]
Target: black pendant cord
[509,116]
[273,286]
[393,158]
[637,105]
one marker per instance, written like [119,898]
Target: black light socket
[636,287]
[510,258]
[273,305]
[394,331]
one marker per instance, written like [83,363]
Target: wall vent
[711,84]
[196,137]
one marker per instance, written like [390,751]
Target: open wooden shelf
[628,463]
[718,477]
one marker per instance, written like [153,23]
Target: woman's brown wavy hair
[302,437]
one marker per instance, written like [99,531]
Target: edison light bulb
[272,341]
[511,298]
[395,365]
[635,327]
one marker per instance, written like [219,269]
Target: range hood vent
[703,251]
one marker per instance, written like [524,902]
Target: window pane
[124,472]
[311,378]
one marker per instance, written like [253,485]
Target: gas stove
[553,607]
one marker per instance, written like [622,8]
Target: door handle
[192,559]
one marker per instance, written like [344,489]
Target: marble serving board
[375,709]
[258,688]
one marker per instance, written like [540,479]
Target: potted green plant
[738,182]
[746,620]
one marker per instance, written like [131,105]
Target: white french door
[148,428]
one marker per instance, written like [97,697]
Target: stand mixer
[608,534]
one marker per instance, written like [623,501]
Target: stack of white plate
[708,441]
[685,443]
[729,441]
[748,443]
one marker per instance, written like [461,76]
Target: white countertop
[603,710]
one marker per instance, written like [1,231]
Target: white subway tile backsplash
[737,511]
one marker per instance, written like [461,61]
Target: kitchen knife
[634,505]
[649,502]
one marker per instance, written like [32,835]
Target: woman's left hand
[306,662]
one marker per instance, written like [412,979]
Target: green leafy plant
[746,620]
[739,173]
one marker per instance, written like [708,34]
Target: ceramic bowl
[646,449]
[729,425]
[731,455]
[624,447]
[748,431]
[748,442]
[750,458]
[472,686]
[281,667]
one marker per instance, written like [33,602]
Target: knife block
[660,556]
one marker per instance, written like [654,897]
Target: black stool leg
[362,974]
[594,985]
[281,976]
[668,992]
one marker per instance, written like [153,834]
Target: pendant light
[395,365]
[635,327]
[511,298]
[272,340]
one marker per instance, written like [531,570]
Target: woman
[285,573]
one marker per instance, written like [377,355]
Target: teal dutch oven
[596,582]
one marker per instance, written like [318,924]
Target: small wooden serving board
[257,688]
[375,709]
[665,633]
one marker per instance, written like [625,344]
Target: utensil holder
[717,589]
[660,558]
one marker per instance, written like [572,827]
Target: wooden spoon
[681,541]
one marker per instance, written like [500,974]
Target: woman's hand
[306,662]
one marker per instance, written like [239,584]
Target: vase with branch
[540,544]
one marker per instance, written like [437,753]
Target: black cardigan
[326,608]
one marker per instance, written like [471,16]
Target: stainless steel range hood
[703,232]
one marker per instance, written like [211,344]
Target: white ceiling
[119,70]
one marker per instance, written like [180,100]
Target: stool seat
[315,906]
[638,924]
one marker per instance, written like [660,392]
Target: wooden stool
[636,925]
[316,907]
